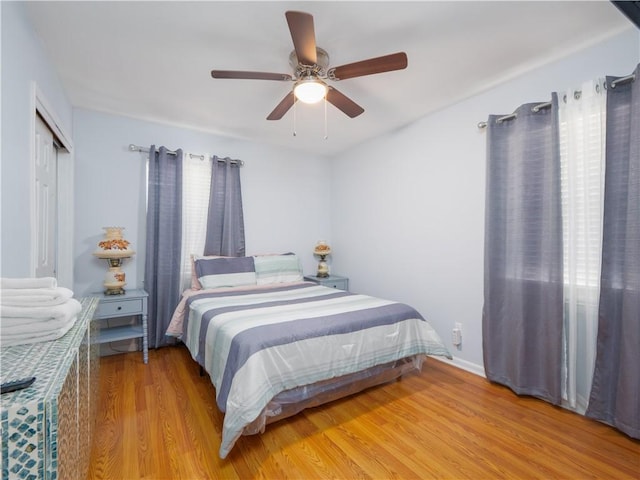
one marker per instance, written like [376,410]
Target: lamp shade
[310,90]
[322,249]
[114,245]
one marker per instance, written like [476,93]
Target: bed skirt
[291,402]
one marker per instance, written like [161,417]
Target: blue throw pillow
[225,272]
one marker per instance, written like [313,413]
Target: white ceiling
[152,60]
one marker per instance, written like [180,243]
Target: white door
[46,172]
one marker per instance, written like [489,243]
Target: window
[582,138]
[196,185]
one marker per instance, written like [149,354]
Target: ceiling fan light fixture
[310,90]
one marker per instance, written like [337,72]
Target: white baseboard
[463,364]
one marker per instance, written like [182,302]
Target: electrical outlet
[456,335]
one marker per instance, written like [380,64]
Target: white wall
[406,214]
[408,209]
[283,210]
[24,63]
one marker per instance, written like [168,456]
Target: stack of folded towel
[35,310]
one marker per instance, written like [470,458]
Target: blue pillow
[225,272]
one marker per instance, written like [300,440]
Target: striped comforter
[256,343]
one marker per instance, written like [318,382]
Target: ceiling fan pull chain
[294,118]
[326,134]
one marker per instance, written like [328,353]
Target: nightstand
[333,281]
[131,303]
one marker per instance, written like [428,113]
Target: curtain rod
[511,116]
[537,108]
[623,80]
[137,148]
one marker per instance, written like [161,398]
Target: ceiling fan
[310,64]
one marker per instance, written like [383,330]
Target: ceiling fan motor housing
[318,70]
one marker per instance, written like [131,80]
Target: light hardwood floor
[160,421]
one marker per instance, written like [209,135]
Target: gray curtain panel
[164,241]
[615,393]
[523,286]
[225,222]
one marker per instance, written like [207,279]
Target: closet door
[46,204]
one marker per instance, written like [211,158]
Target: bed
[274,344]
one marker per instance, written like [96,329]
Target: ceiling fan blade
[250,75]
[282,108]
[344,103]
[386,63]
[303,35]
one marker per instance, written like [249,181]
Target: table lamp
[114,248]
[322,250]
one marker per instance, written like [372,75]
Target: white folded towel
[29,326]
[42,282]
[38,316]
[8,340]
[34,297]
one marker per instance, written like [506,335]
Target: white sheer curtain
[196,176]
[582,146]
